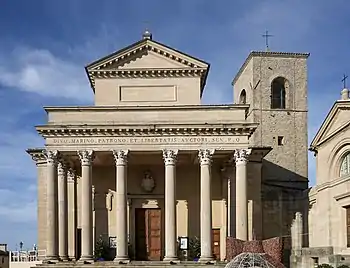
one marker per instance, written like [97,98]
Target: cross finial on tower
[345,77]
[266,36]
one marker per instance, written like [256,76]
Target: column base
[173,259]
[206,260]
[86,259]
[121,259]
[51,259]
[64,258]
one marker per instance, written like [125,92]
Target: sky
[44,46]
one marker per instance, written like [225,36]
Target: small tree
[194,248]
[101,249]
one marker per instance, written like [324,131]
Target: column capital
[51,156]
[86,157]
[61,168]
[170,156]
[242,155]
[120,157]
[205,156]
[71,177]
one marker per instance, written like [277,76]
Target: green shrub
[324,265]
[194,248]
[343,266]
[101,249]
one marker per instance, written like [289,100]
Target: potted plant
[194,248]
[101,249]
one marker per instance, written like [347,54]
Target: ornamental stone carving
[242,155]
[205,156]
[170,156]
[71,175]
[148,183]
[86,157]
[51,157]
[120,157]
[61,168]
[109,200]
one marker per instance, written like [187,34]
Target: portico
[78,157]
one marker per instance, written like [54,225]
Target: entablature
[246,129]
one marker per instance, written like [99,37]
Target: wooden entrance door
[148,242]
[216,243]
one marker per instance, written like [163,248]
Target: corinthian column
[169,157]
[121,160]
[52,206]
[241,158]
[72,213]
[205,158]
[62,212]
[86,158]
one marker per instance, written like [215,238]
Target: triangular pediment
[146,59]
[147,54]
[337,120]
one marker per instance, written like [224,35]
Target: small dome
[253,260]
[147,34]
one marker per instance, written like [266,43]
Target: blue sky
[44,46]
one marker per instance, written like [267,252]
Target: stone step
[137,264]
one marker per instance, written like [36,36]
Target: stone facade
[329,198]
[284,170]
[149,151]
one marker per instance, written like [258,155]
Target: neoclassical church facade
[148,163]
[330,197]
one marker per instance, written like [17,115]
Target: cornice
[144,73]
[317,141]
[268,54]
[71,131]
[148,108]
[37,155]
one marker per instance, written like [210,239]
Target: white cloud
[39,71]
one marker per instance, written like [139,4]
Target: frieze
[173,140]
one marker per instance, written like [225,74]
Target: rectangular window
[348,226]
[280,140]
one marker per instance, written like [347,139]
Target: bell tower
[275,86]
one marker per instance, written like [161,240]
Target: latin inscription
[146,140]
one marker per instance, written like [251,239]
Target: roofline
[268,54]
[203,83]
[313,146]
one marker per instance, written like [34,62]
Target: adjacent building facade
[148,163]
[330,198]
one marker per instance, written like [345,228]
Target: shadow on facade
[283,193]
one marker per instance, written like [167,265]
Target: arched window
[345,165]
[278,93]
[243,97]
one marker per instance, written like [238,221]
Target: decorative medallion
[148,183]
